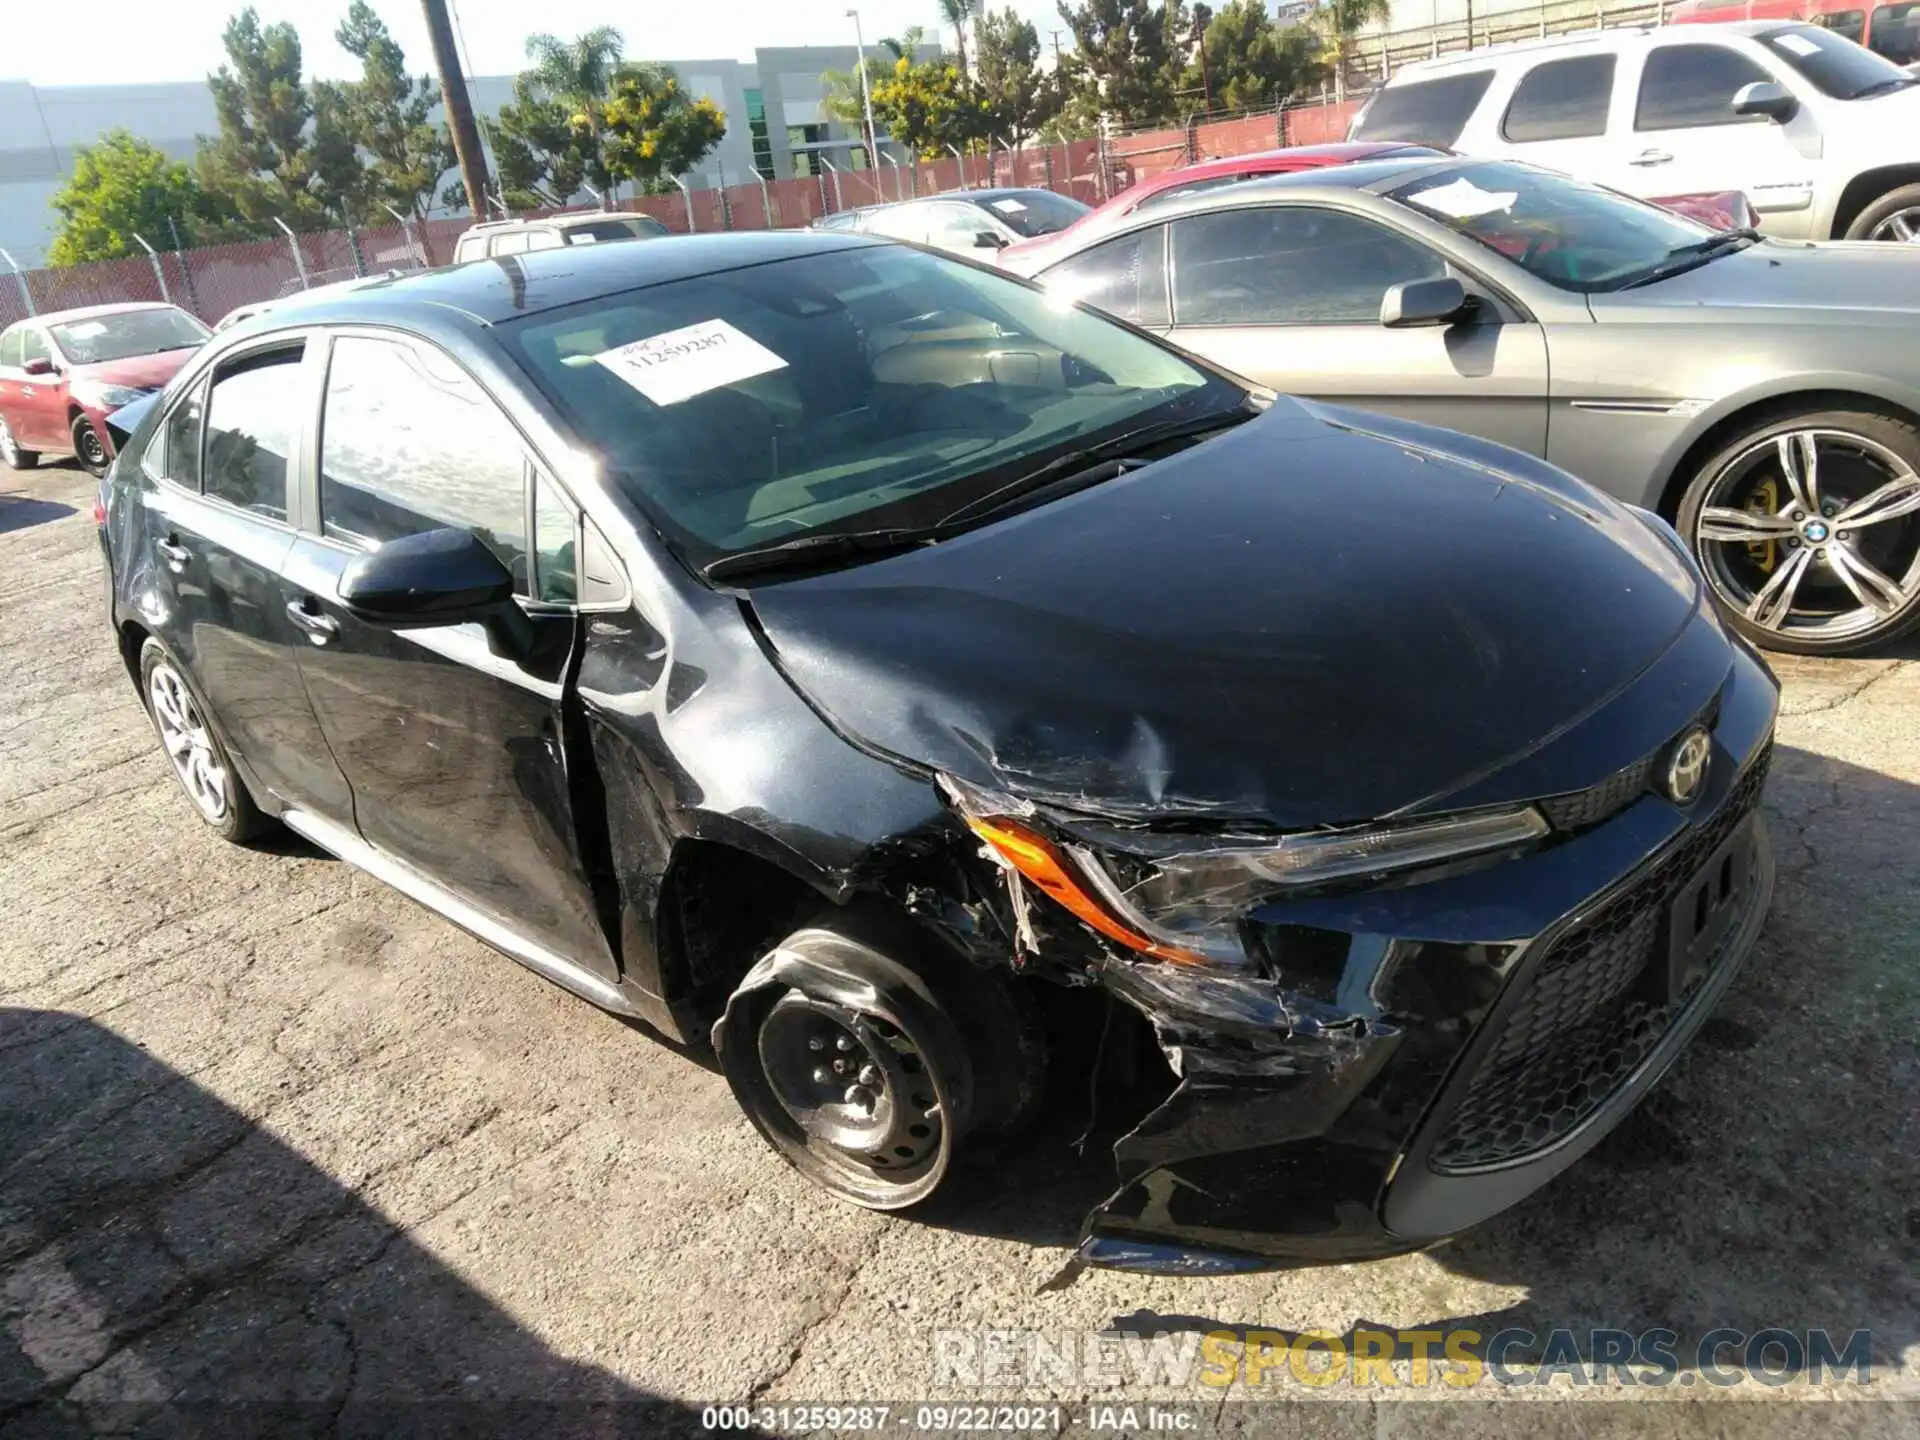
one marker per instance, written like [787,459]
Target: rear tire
[1895,217]
[10,451]
[1833,577]
[200,762]
[88,448]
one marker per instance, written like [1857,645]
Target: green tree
[579,72]
[960,14]
[652,129]
[929,106]
[1017,96]
[842,99]
[277,156]
[1122,65]
[1253,63]
[387,114]
[536,148]
[122,186]
[1341,22]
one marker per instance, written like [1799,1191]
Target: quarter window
[1561,100]
[1684,87]
[252,418]
[1424,112]
[1126,276]
[556,548]
[410,443]
[1289,267]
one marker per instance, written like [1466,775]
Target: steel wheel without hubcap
[1812,537]
[88,446]
[188,744]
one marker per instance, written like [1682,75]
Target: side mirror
[1768,98]
[439,577]
[988,240]
[39,365]
[1424,302]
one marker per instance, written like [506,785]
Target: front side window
[177,447]
[1571,234]
[252,419]
[1289,266]
[1126,277]
[131,332]
[1685,87]
[1423,112]
[410,443]
[897,222]
[33,346]
[1561,100]
[1833,62]
[841,391]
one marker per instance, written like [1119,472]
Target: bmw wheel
[1808,530]
[12,454]
[199,760]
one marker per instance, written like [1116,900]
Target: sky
[131,42]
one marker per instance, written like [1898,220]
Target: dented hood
[1317,617]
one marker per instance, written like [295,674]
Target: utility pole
[1206,80]
[453,94]
[866,98]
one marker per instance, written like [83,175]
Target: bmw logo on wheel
[1687,766]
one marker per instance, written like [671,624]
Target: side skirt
[484,928]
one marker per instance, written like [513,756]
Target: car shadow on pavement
[169,1267]
[23,512]
[1771,1180]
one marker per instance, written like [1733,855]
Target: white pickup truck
[1821,134]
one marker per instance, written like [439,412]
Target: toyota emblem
[1687,766]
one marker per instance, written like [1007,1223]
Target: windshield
[1571,234]
[842,391]
[1034,212]
[131,332]
[1834,63]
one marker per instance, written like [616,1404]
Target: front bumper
[1433,1054]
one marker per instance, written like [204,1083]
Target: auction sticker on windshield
[680,364]
[1464,200]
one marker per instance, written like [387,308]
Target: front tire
[12,454]
[1807,528]
[200,762]
[1895,216]
[88,448]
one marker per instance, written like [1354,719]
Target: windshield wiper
[1882,87]
[1686,257]
[1076,461]
[814,549]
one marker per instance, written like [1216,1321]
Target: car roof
[87,312]
[1280,162]
[1490,56]
[1371,175]
[509,287]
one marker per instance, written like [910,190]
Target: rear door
[1680,135]
[1289,295]
[220,478]
[455,751]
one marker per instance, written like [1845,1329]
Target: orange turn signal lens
[1038,860]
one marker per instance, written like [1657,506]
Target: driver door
[1289,295]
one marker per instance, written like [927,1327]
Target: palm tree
[960,14]
[1345,19]
[578,72]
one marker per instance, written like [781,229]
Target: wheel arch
[1865,188]
[132,637]
[1717,426]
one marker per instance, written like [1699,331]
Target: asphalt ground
[280,1149]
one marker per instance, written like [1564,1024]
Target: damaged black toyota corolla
[834,649]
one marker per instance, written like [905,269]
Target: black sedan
[858,658]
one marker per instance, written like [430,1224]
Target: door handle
[1652,157]
[174,553]
[320,628]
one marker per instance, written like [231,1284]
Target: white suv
[1822,135]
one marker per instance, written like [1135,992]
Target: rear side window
[1289,266]
[1126,277]
[1894,31]
[1561,100]
[543,240]
[252,419]
[1850,23]
[471,247]
[1685,87]
[408,443]
[1425,112]
[512,243]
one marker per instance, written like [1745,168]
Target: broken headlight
[1183,905]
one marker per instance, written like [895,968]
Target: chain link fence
[211,280]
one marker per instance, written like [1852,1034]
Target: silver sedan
[1764,396]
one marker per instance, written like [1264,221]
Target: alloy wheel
[1813,534]
[188,743]
[1902,227]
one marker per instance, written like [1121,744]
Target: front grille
[1582,1024]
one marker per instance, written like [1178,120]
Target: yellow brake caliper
[1765,500]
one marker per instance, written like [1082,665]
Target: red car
[1030,256]
[62,374]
